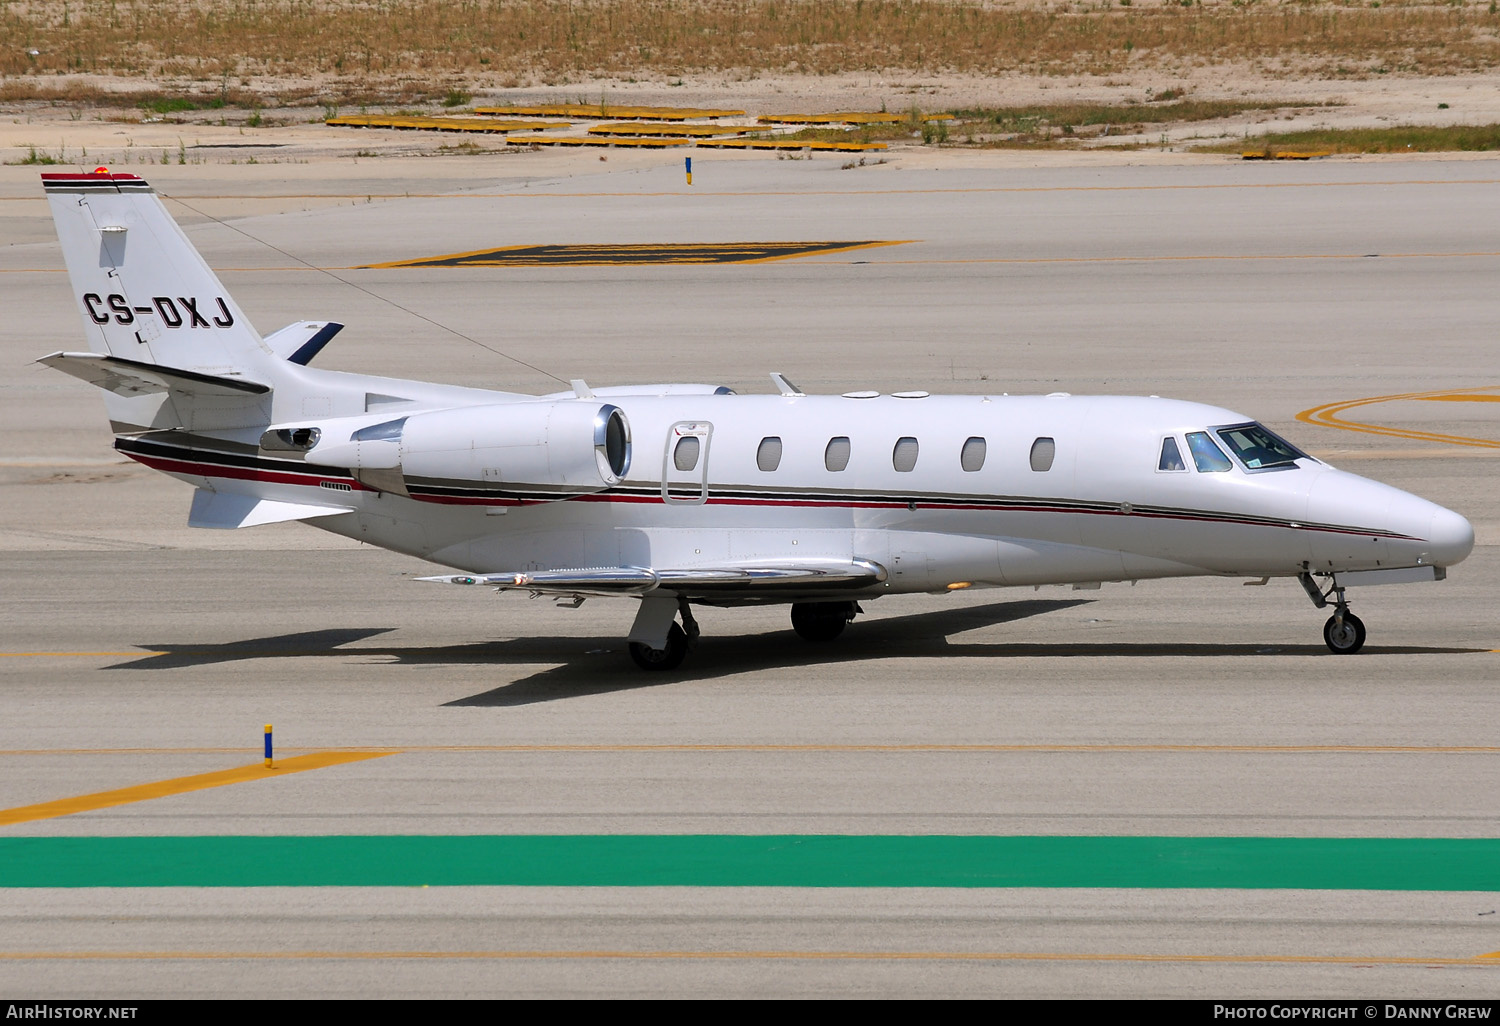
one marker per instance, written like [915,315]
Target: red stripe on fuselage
[168,465]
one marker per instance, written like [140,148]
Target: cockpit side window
[1207,457]
[1259,449]
[1171,456]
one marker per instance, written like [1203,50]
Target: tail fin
[144,292]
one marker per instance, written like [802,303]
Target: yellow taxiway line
[179,785]
[1490,960]
[1327,415]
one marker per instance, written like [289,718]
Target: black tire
[669,658]
[821,621]
[1345,639]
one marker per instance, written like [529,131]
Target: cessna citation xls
[682,494]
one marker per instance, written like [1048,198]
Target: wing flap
[708,582]
[132,378]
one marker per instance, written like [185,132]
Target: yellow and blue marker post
[689,169]
[268,746]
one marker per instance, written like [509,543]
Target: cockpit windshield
[1259,449]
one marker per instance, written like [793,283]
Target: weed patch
[1396,139]
[36,156]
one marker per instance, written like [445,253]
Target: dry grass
[1397,139]
[366,48]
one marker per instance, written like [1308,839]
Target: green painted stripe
[1420,864]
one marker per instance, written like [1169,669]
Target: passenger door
[684,473]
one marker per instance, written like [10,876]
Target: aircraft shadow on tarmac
[596,666]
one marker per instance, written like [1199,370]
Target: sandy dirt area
[120,137]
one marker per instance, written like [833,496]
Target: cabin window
[1171,456]
[1043,451]
[836,456]
[1207,456]
[972,456]
[1259,449]
[904,456]
[685,453]
[768,454]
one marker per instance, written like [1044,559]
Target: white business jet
[682,494]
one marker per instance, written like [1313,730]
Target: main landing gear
[679,640]
[814,621]
[822,621]
[1344,633]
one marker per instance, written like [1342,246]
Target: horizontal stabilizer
[698,581]
[300,342]
[225,511]
[132,378]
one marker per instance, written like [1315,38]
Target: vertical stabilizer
[144,292]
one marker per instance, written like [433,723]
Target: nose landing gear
[1344,633]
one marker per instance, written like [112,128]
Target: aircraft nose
[1450,536]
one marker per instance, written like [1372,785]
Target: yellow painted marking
[594,140]
[633,254]
[178,785]
[1452,398]
[847,146]
[1328,416]
[441,124]
[836,748]
[687,955]
[650,128]
[591,110]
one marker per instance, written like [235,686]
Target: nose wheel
[1344,633]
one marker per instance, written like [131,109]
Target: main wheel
[820,621]
[669,658]
[1344,638]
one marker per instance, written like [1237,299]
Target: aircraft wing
[708,582]
[131,377]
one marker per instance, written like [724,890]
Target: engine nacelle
[533,450]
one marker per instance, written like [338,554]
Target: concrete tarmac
[135,650]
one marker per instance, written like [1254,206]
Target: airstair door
[684,473]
